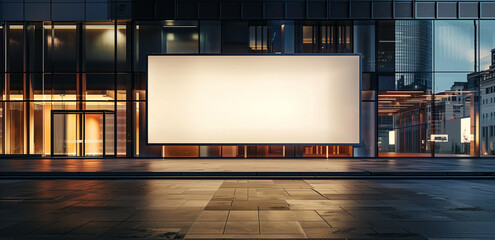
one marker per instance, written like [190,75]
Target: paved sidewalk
[247,209]
[418,167]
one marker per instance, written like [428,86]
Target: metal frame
[265,144]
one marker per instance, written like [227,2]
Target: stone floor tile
[234,227]
[213,216]
[289,216]
[318,224]
[280,227]
[207,227]
[243,215]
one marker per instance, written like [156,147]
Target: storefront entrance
[87,133]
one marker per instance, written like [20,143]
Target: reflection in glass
[258,39]
[454,45]
[404,123]
[453,118]
[327,37]
[99,47]
[364,43]
[60,48]
[210,37]
[180,37]
[487,107]
[15,48]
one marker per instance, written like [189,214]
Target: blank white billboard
[253,99]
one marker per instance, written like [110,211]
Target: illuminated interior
[428,84]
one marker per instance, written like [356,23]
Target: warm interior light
[107,27]
[16,27]
[395,95]
[68,27]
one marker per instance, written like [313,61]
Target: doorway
[82,133]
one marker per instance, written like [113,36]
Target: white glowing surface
[253,99]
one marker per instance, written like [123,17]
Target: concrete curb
[257,175]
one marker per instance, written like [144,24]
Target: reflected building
[413,55]
[487,107]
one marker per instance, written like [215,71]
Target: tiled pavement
[168,209]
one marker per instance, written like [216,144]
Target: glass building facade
[73,72]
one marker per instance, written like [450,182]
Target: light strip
[108,27]
[71,27]
[405,92]
[16,27]
[176,26]
[395,95]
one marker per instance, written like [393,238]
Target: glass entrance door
[82,133]
[67,135]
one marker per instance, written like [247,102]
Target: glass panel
[385,46]
[36,126]
[33,47]
[93,134]
[210,37]
[109,134]
[455,101]
[364,43]
[233,151]
[99,48]
[413,52]
[122,128]
[404,124]
[307,37]
[60,48]
[368,130]
[454,45]
[40,88]
[180,37]
[2,86]
[210,151]
[404,46]
[100,87]
[181,151]
[269,151]
[487,43]
[413,81]
[165,37]
[139,86]
[94,105]
[145,150]
[67,136]
[15,86]
[47,110]
[2,50]
[124,88]
[2,128]
[15,128]
[281,36]
[64,86]
[148,40]
[327,37]
[15,48]
[235,37]
[123,56]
